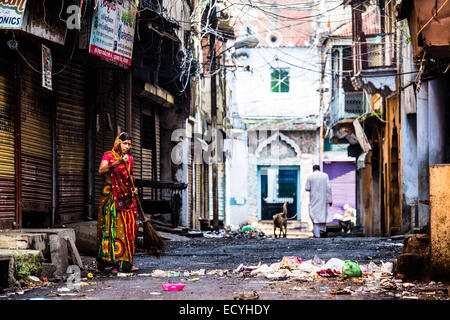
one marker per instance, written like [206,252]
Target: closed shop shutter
[198,193]
[120,97]
[105,122]
[147,143]
[71,142]
[147,171]
[7,155]
[221,190]
[342,181]
[136,135]
[158,147]
[36,142]
[190,187]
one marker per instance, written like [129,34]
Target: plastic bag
[173,286]
[290,262]
[351,269]
[247,229]
[334,263]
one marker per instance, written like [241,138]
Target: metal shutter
[36,141]
[158,147]
[106,122]
[120,96]
[148,171]
[7,155]
[136,135]
[221,190]
[71,141]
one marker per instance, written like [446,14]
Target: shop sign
[11,13]
[112,33]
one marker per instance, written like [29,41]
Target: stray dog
[280,221]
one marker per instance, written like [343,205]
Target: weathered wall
[440,220]
[437,92]
[236,181]
[423,155]
[252,94]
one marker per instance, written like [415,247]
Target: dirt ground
[221,258]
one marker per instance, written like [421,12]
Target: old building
[275,134]
[72,78]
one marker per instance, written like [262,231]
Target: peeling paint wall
[440,220]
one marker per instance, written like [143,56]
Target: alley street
[226,263]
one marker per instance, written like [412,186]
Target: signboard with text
[11,13]
[46,68]
[112,33]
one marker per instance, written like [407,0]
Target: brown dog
[280,221]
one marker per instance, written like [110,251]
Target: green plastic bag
[247,229]
[351,269]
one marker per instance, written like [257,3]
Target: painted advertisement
[112,33]
[11,13]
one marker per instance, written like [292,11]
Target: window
[279,80]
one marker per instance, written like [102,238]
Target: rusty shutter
[99,132]
[36,143]
[105,122]
[71,141]
[221,190]
[7,155]
[136,136]
[158,147]
[120,97]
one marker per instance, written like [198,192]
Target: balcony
[350,106]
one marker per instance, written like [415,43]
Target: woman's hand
[123,160]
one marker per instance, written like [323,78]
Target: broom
[153,242]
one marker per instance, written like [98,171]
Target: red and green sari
[117,215]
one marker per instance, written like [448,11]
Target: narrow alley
[225,151]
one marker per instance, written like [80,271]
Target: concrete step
[14,240]
[52,245]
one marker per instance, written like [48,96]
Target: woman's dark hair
[316,167]
[125,136]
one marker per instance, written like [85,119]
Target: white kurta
[319,189]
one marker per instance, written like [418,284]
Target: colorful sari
[117,215]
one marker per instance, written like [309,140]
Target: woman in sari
[117,211]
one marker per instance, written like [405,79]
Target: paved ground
[227,254]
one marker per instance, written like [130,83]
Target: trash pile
[242,231]
[291,267]
[158,273]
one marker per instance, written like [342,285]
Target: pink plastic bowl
[173,286]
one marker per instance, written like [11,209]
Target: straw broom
[153,242]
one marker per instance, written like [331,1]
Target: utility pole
[212,70]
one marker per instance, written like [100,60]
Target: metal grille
[354,103]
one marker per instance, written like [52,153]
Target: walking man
[319,189]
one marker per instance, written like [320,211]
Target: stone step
[13,240]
